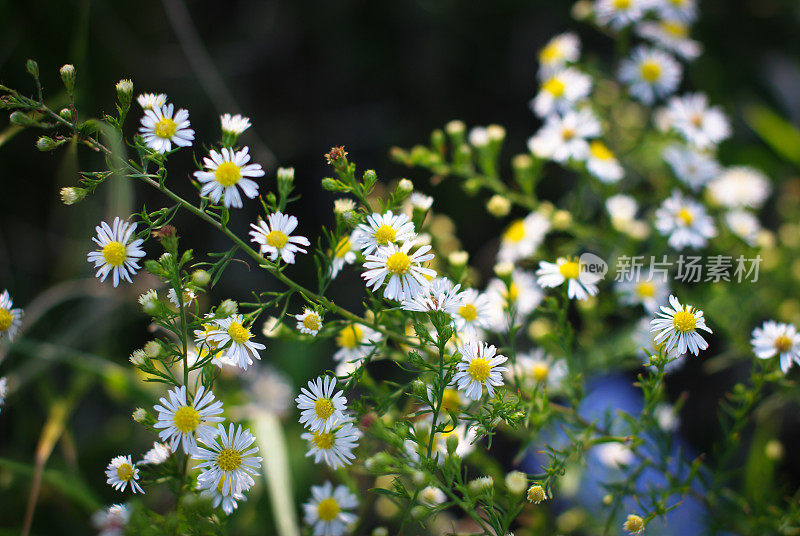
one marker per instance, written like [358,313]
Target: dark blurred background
[364,74]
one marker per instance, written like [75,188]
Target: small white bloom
[327,510]
[157,455]
[407,276]
[148,101]
[521,239]
[666,418]
[479,367]
[334,447]
[478,137]
[677,327]
[581,283]
[160,128]
[111,521]
[343,205]
[603,164]
[439,295]
[234,124]
[685,221]
[119,251]
[560,50]
[225,173]
[231,331]
[383,229]
[537,367]
[420,201]
[187,297]
[120,472]
[699,124]
[622,209]
[774,338]
[473,315]
[516,482]
[744,225]
[181,422]
[321,407]
[431,496]
[355,342]
[648,290]
[614,455]
[10,318]
[683,10]
[275,237]
[309,322]
[228,462]
[693,167]
[672,35]
[344,254]
[620,13]
[650,74]
[520,297]
[561,92]
[740,187]
[564,138]
[464,438]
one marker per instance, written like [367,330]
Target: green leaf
[777,132]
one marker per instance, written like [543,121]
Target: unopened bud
[125,92]
[66,114]
[201,278]
[562,219]
[516,482]
[138,358]
[67,72]
[21,119]
[286,174]
[46,143]
[496,133]
[152,349]
[71,195]
[452,444]
[227,308]
[33,68]
[405,187]
[458,258]
[139,415]
[498,206]
[503,269]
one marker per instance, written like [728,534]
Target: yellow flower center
[570,269]
[783,344]
[451,400]
[600,151]
[540,371]
[398,262]
[554,86]
[239,333]
[228,174]
[646,289]
[5,319]
[651,71]
[115,253]
[349,337]
[385,234]
[229,459]
[567,133]
[328,509]
[685,216]
[684,321]
[166,128]
[125,472]
[343,248]
[323,440]
[186,419]
[622,4]
[468,312]
[550,53]
[479,369]
[515,231]
[323,407]
[512,293]
[696,120]
[678,3]
[675,28]
[312,322]
[277,239]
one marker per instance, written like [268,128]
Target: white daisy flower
[699,124]
[694,168]
[648,290]
[309,322]
[560,92]
[228,501]
[231,331]
[157,455]
[381,230]
[10,318]
[685,221]
[234,124]
[773,339]
[603,164]
[521,297]
[523,237]
[148,101]
[225,173]
[204,347]
[536,367]
[3,390]
[111,521]
[228,462]
[672,35]
[160,128]
[407,276]
[682,10]
[479,366]
[344,254]
[740,187]
[327,510]
[473,315]
[181,421]
[275,237]
[581,283]
[420,201]
[621,208]
[432,496]
[439,295]
[564,138]
[650,74]
[560,50]
[187,296]
[321,407]
[120,472]
[620,13]
[119,251]
[744,225]
[677,327]
[334,447]
[355,342]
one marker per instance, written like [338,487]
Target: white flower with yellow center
[685,221]
[473,315]
[699,124]
[157,455]
[225,173]
[112,520]
[523,237]
[564,138]
[355,342]
[204,347]
[121,472]
[439,295]
[520,297]
[149,101]
[321,406]
[560,92]
[334,447]
[344,254]
[182,422]
[380,230]
[162,126]
[119,251]
[228,501]
[581,283]
[650,74]
[233,338]
[407,276]
[739,187]
[275,237]
[327,510]
[560,50]
[648,289]
[187,297]
[234,124]
[692,167]
[774,338]
[744,225]
[479,367]
[620,13]
[537,367]
[309,322]
[682,10]
[672,35]
[10,318]
[676,327]
[229,461]
[603,164]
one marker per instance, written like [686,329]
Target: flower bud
[419,512]
[138,358]
[458,258]
[125,92]
[66,114]
[516,482]
[149,302]
[405,187]
[343,205]
[21,119]
[46,143]
[380,531]
[498,206]
[152,349]
[227,308]
[67,72]
[33,68]
[139,415]
[452,444]
[536,494]
[419,478]
[496,133]
[285,174]
[201,278]
[481,484]
[503,269]
[562,219]
[634,524]
[774,450]
[71,195]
